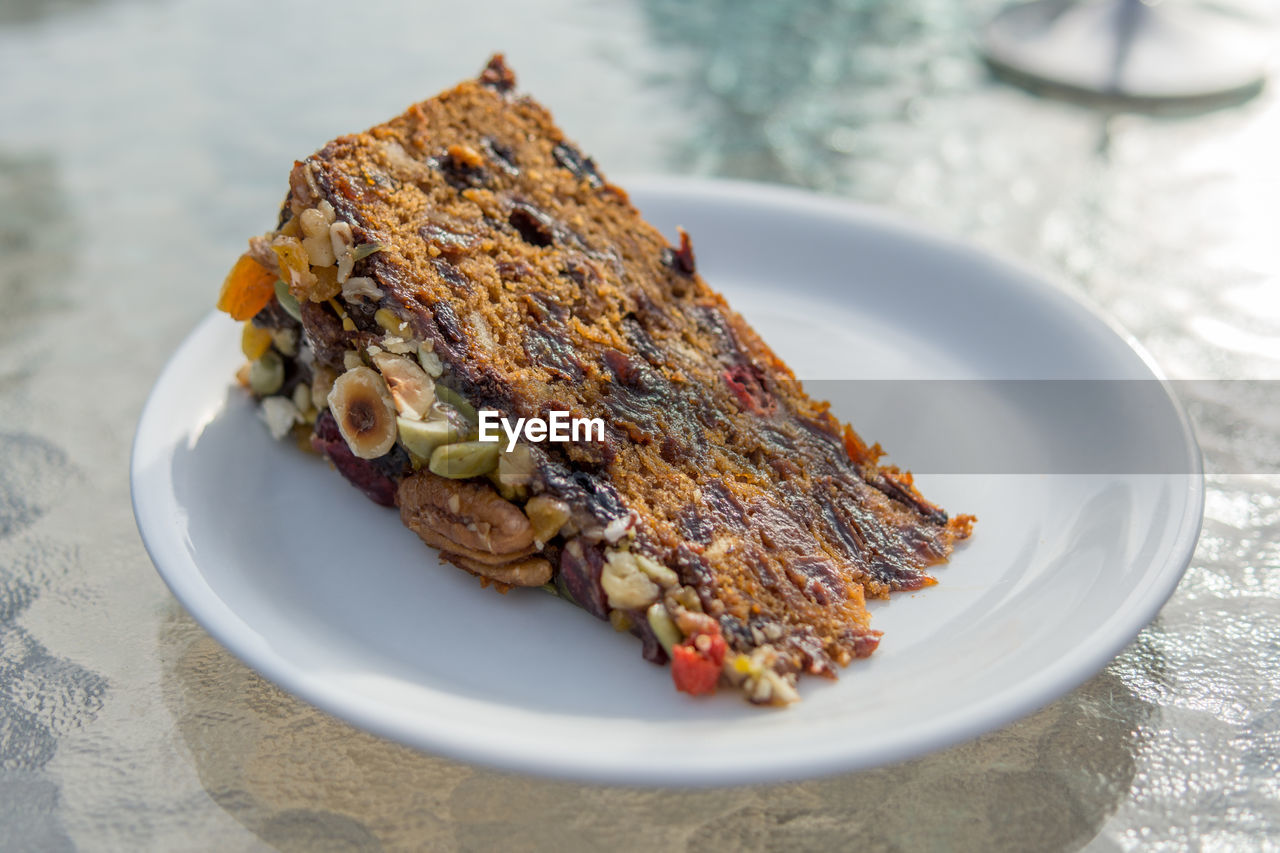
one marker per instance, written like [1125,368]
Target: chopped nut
[529,571]
[626,586]
[480,333]
[260,251]
[618,527]
[360,287]
[430,361]
[657,572]
[286,341]
[365,412]
[770,688]
[469,519]
[411,388]
[345,266]
[664,628]
[398,345]
[547,514]
[340,239]
[280,414]
[313,223]
[515,471]
[302,399]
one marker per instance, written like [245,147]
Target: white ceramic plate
[330,597]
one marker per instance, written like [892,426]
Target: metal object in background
[1137,51]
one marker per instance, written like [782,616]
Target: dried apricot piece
[247,290]
[254,341]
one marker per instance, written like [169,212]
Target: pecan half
[526,571]
[468,519]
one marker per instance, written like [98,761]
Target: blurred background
[141,142]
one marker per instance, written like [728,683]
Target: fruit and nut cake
[466,258]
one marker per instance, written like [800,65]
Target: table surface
[143,140]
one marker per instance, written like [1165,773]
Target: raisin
[458,173]
[500,154]
[582,167]
[682,259]
[497,76]
[533,226]
[448,322]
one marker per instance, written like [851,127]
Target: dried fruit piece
[295,268]
[696,663]
[365,412]
[247,289]
[326,284]
[390,323]
[254,341]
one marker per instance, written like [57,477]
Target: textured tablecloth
[142,140]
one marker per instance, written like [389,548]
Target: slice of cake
[464,263]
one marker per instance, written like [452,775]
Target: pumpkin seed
[266,375]
[421,438]
[452,398]
[364,250]
[464,459]
[664,627]
[287,300]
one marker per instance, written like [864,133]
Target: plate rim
[184,578]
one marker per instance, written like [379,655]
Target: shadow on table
[302,780]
